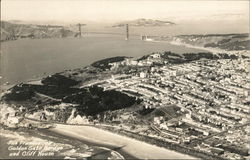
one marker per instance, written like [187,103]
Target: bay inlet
[27,59]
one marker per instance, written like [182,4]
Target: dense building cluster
[195,103]
[203,104]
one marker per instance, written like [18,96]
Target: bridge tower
[127,32]
[80,29]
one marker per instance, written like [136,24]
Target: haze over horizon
[113,10]
[191,16]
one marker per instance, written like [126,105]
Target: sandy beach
[45,144]
[134,147]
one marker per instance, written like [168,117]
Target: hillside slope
[12,31]
[228,42]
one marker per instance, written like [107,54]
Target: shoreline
[167,145]
[127,151]
[209,49]
[89,143]
[128,145]
[51,137]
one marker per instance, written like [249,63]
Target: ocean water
[33,144]
[26,59]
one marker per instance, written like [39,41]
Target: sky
[114,10]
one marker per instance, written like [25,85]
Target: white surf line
[134,147]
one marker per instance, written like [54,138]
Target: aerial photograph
[125,79]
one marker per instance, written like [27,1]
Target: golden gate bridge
[126,33]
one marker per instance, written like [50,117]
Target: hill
[228,42]
[13,31]
[145,23]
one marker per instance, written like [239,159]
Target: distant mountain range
[12,30]
[145,23]
[15,29]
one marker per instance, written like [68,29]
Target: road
[99,137]
[134,147]
[220,133]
